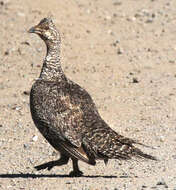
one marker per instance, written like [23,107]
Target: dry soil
[123,53]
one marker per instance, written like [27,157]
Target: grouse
[67,117]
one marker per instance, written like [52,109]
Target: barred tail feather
[138,153]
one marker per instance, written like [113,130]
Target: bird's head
[46,30]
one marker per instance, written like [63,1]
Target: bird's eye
[46,27]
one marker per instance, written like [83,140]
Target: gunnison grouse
[66,115]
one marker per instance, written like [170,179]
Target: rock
[26,93]
[162,138]
[6,52]
[135,80]
[153,15]
[110,32]
[26,146]
[162,182]
[31,160]
[20,14]
[1,3]
[88,11]
[115,43]
[150,20]
[144,186]
[131,18]
[25,43]
[16,107]
[117,3]
[35,138]
[88,31]
[108,17]
[120,51]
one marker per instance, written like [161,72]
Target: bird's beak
[31,30]
[34,29]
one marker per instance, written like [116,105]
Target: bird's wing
[73,104]
[68,124]
[70,121]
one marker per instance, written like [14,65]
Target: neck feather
[51,69]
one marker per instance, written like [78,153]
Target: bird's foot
[76,173]
[47,166]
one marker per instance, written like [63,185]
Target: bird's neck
[51,70]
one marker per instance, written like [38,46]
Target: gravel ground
[123,53]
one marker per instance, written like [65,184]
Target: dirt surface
[123,53]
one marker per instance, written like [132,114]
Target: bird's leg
[76,172]
[49,165]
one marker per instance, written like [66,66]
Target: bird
[67,117]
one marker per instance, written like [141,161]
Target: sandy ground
[123,53]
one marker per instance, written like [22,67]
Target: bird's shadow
[28,175]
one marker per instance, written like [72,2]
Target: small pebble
[38,66]
[88,11]
[115,43]
[120,51]
[26,146]
[39,49]
[26,93]
[18,108]
[174,157]
[110,32]
[25,43]
[6,52]
[162,182]
[150,20]
[144,186]
[35,138]
[20,14]
[131,18]
[135,80]
[117,3]
[162,138]
[137,15]
[153,15]
[19,51]
[108,17]
[31,160]
[15,107]
[88,31]
[1,3]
